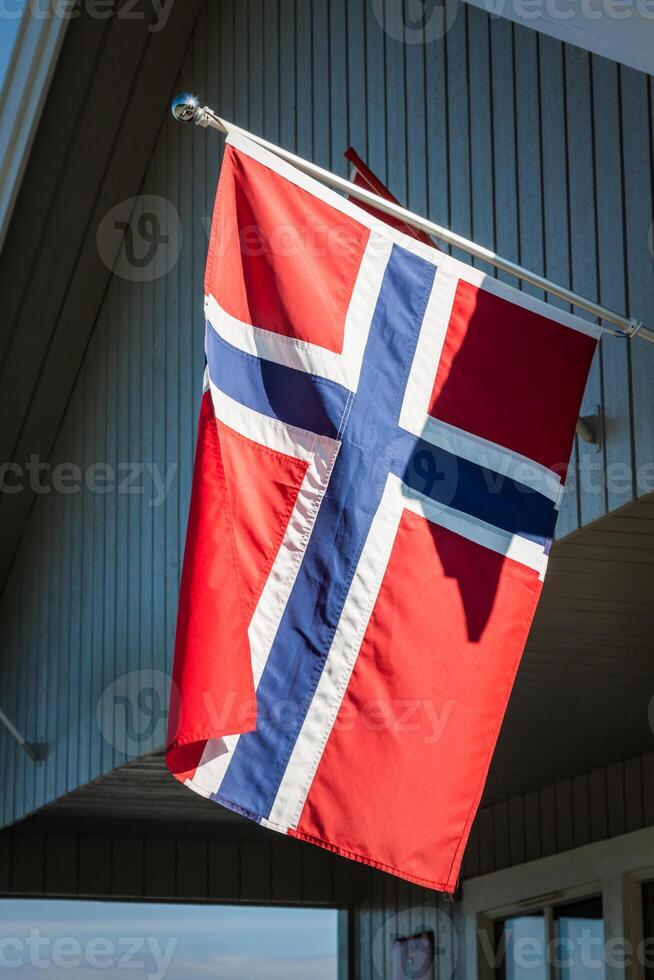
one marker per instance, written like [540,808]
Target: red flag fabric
[382,451]
[363,176]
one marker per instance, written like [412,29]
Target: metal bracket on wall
[590,427]
[32,751]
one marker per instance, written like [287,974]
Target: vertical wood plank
[517,829]
[94,862]
[504,142]
[158,867]
[458,128]
[615,799]
[532,825]
[317,875]
[338,119]
[555,217]
[597,794]
[486,841]
[611,271]
[581,810]
[639,217]
[501,835]
[584,260]
[5,862]
[547,807]
[564,823]
[287,873]
[634,803]
[61,864]
[255,872]
[648,789]
[192,869]
[27,864]
[224,871]
[481,133]
[127,867]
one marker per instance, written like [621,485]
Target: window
[568,938]
[521,948]
[579,941]
[586,914]
[147,941]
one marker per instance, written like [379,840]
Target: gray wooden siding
[540,150]
[153,862]
[606,802]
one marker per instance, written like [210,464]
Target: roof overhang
[622,30]
[22,97]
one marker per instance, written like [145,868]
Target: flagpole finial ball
[185,107]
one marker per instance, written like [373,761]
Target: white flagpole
[186,108]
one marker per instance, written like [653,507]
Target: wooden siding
[156,861]
[605,802]
[540,150]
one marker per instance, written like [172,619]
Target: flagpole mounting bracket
[589,428]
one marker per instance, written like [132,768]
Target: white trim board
[622,30]
[546,880]
[22,97]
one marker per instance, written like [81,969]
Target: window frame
[614,868]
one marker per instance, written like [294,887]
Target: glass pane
[578,947]
[521,948]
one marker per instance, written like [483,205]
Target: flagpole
[186,108]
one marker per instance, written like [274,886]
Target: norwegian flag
[381,455]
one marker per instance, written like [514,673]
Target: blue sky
[113,940]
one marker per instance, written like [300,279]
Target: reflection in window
[569,938]
[521,948]
[578,948]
